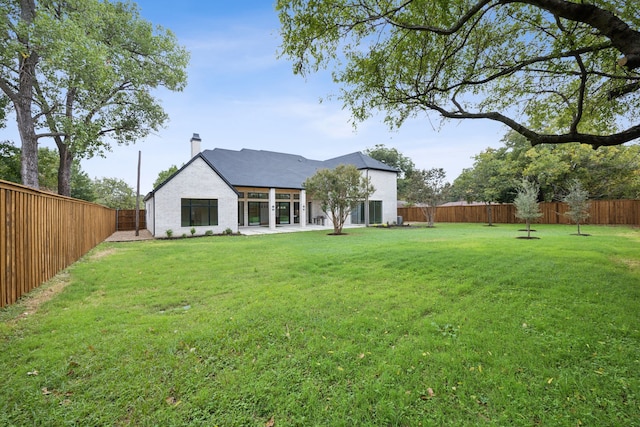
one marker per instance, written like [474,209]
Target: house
[220,190]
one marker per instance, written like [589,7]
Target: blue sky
[240,95]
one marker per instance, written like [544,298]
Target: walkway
[257,230]
[130,236]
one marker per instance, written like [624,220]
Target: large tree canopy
[607,173]
[82,72]
[48,161]
[532,65]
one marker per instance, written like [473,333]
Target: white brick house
[219,190]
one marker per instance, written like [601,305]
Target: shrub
[169,233]
[193,231]
[208,233]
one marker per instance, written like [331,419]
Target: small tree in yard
[526,203]
[428,189]
[339,191]
[578,201]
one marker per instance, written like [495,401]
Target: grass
[456,325]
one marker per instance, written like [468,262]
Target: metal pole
[138,196]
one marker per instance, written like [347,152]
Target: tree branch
[537,138]
[623,38]
[623,90]
[581,92]
[442,31]
[522,65]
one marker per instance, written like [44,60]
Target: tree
[428,189]
[522,63]
[81,184]
[488,181]
[339,191]
[48,169]
[392,157]
[606,173]
[578,201]
[164,175]
[19,59]
[9,162]
[114,193]
[82,72]
[4,106]
[526,202]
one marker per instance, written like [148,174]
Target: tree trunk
[29,153]
[64,170]
[23,98]
[430,216]
[489,214]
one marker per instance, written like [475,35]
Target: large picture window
[199,212]
[375,213]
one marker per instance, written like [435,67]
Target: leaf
[172,401]
[430,394]
[271,422]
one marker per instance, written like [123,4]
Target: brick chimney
[195,145]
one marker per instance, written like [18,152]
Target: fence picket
[41,234]
[603,212]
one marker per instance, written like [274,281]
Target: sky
[241,95]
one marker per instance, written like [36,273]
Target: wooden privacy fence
[41,234]
[602,212]
[126,219]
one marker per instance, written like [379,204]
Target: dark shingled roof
[259,168]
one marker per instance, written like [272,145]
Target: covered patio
[254,231]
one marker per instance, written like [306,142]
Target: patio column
[272,208]
[303,208]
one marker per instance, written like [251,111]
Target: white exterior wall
[149,214]
[196,181]
[386,189]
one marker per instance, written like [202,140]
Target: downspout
[154,215]
[366,202]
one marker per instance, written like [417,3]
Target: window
[254,195]
[375,213]
[199,212]
[357,215]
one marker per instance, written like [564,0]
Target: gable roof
[198,156]
[259,168]
[359,160]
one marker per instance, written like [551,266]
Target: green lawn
[456,325]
